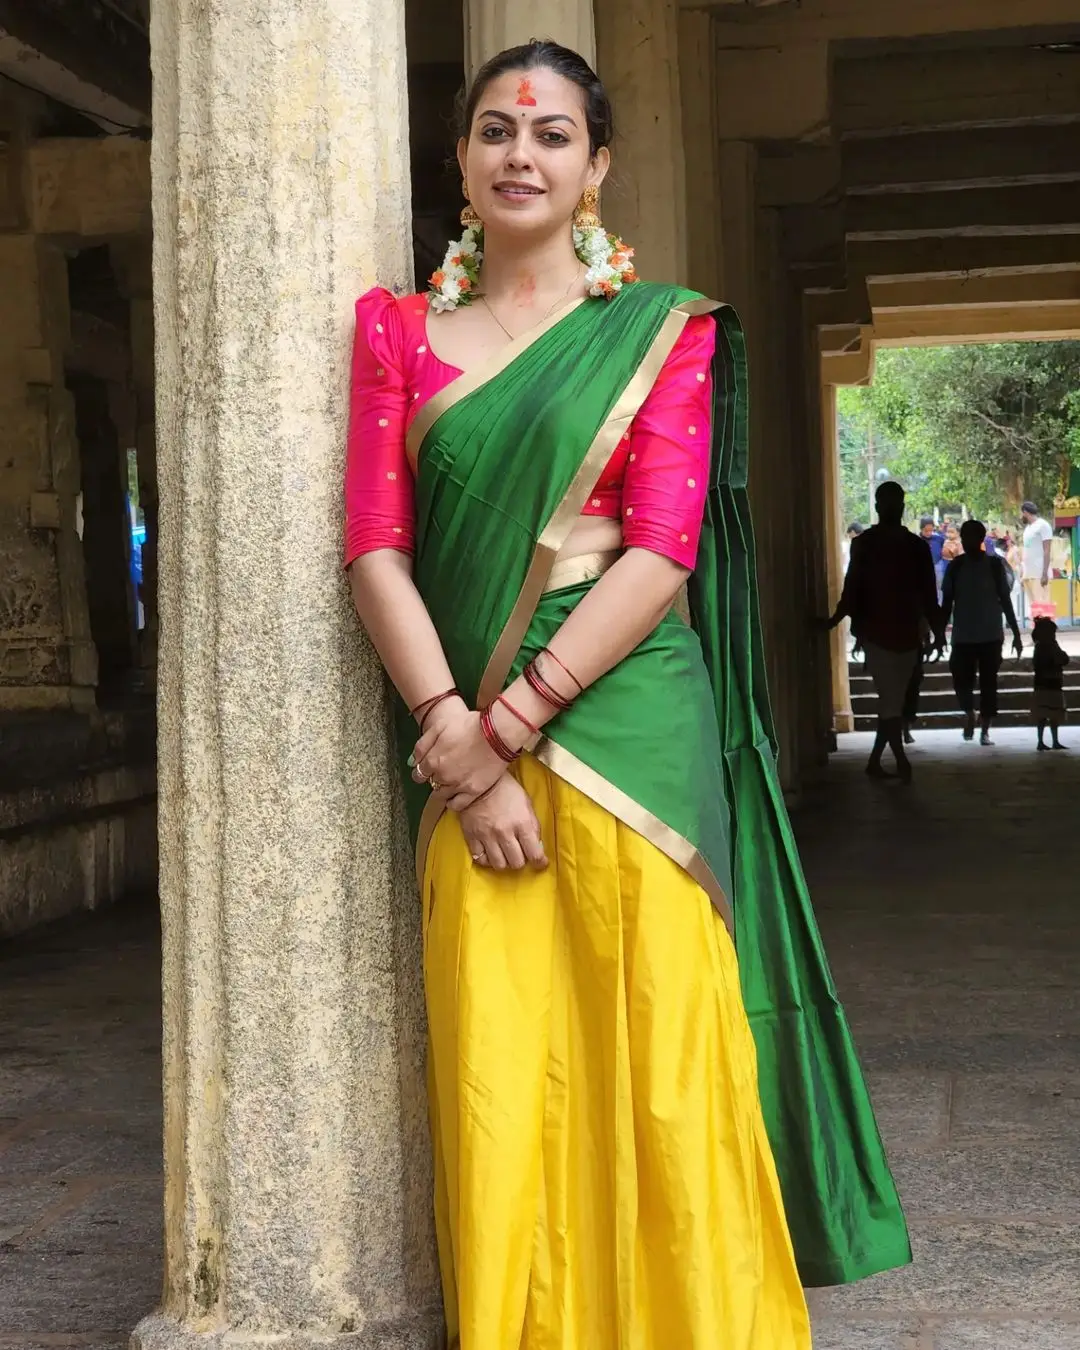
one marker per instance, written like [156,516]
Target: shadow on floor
[951,911]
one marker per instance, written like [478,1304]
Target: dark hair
[924,521]
[546,55]
[1030,508]
[1044,629]
[974,530]
[890,495]
[855,528]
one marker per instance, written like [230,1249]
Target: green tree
[984,425]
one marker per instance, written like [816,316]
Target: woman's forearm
[621,610]
[400,628]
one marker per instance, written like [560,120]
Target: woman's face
[527,159]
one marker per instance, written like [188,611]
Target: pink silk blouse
[656,479]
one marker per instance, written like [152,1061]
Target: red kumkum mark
[525,95]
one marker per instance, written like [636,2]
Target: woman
[529,486]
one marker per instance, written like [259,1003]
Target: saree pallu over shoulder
[676,741]
[506,459]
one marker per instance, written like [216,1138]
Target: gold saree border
[623,807]
[557,530]
[582,567]
[469,381]
[551,540]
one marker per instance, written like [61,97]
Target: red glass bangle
[491,734]
[539,685]
[564,668]
[520,716]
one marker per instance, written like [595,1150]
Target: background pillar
[493,25]
[843,720]
[47,654]
[644,198]
[298,1189]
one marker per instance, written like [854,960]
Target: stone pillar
[834,527]
[701,144]
[637,44]
[817,716]
[298,1188]
[493,25]
[133,266]
[47,657]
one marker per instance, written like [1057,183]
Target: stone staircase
[937,702]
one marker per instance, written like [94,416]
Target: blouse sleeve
[668,467]
[379,492]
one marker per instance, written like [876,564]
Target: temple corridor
[950,913]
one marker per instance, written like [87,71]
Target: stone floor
[950,911]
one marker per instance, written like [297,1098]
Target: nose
[519,153]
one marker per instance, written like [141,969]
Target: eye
[555,138]
[492,132]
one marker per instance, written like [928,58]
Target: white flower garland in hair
[609,262]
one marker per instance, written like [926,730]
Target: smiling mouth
[519,190]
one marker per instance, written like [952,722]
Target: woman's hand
[453,752]
[501,829]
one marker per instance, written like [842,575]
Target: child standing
[1049,661]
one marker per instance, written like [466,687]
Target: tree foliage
[980,426]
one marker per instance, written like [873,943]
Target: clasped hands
[496,813]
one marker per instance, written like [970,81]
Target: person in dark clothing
[890,596]
[975,595]
[1049,661]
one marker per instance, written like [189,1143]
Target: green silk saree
[676,740]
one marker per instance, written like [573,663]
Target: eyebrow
[540,121]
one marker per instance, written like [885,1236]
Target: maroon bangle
[539,685]
[520,716]
[491,734]
[564,668]
[434,703]
[426,702]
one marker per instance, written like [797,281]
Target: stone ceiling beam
[1052,208]
[814,20]
[984,157]
[774,95]
[907,259]
[855,367]
[798,175]
[1042,289]
[935,90]
[82,189]
[1003,323]
[840,341]
[839,309]
[81,53]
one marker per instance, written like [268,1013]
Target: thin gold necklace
[539,321]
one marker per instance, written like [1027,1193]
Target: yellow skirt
[603,1176]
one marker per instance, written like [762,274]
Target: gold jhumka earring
[587,214]
[469,218]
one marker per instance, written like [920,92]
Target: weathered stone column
[493,25]
[298,1190]
[47,655]
[701,145]
[637,45]
[134,270]
[843,720]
